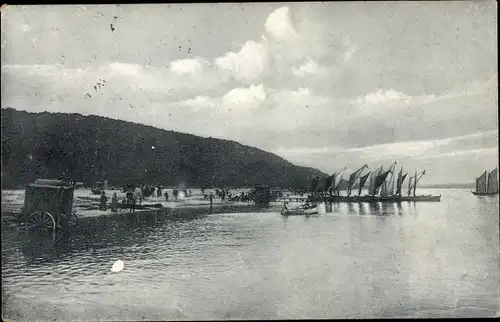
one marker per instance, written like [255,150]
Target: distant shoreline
[448,187]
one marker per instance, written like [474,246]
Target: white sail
[387,188]
[373,176]
[493,181]
[338,178]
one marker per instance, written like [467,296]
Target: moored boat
[304,210]
[487,184]
[394,198]
[384,185]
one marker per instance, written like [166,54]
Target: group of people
[147,190]
[138,193]
[104,199]
[187,193]
[224,194]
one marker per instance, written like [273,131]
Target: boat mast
[415,183]
[410,185]
[417,179]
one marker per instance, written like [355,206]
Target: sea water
[359,261]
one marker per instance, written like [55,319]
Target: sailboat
[354,177]
[487,184]
[384,185]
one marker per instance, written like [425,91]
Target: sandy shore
[86,205]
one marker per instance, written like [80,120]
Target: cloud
[432,155]
[252,96]
[389,89]
[128,69]
[279,25]
[247,64]
[199,102]
[348,54]
[310,67]
[181,78]
[383,96]
[188,66]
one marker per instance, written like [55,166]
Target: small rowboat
[300,211]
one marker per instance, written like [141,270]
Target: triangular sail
[401,180]
[353,177]
[375,187]
[314,183]
[321,185]
[371,188]
[329,183]
[339,178]
[493,181]
[381,178]
[387,187]
[481,185]
[362,182]
[398,181]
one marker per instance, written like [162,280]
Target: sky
[326,85]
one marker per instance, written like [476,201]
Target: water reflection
[350,208]
[399,209]
[362,209]
[374,208]
[262,265]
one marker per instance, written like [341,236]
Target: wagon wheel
[41,221]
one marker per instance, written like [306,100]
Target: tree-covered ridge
[93,148]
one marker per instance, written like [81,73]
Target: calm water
[418,260]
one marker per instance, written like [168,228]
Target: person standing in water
[102,201]
[114,202]
[137,194]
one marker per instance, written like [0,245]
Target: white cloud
[348,54]
[383,96]
[461,152]
[181,79]
[408,149]
[129,69]
[241,97]
[308,68]
[247,64]
[199,101]
[279,25]
[188,66]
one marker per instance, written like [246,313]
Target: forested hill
[93,148]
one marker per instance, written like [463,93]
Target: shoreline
[190,208]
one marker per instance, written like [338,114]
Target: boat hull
[299,212]
[486,194]
[393,199]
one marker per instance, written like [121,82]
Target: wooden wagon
[48,207]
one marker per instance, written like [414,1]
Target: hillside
[93,148]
